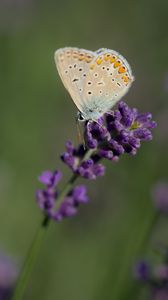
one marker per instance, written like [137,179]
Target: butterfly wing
[73,65]
[108,79]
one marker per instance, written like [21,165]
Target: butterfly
[95,80]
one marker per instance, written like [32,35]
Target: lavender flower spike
[115,133]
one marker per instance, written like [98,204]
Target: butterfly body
[95,80]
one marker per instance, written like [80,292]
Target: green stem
[39,237]
[30,260]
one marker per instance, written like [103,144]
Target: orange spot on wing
[81,56]
[107,56]
[112,59]
[125,78]
[122,69]
[99,61]
[117,64]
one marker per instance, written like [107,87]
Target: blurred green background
[89,256]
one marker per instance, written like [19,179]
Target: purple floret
[47,197]
[142,271]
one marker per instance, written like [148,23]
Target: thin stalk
[35,247]
[30,260]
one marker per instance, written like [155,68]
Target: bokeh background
[91,255]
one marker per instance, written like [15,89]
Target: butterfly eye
[80,117]
[89,93]
[89,83]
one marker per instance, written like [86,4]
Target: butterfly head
[80,117]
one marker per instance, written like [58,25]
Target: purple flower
[50,178]
[8,276]
[115,133]
[47,198]
[155,276]
[119,131]
[142,271]
[160,196]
